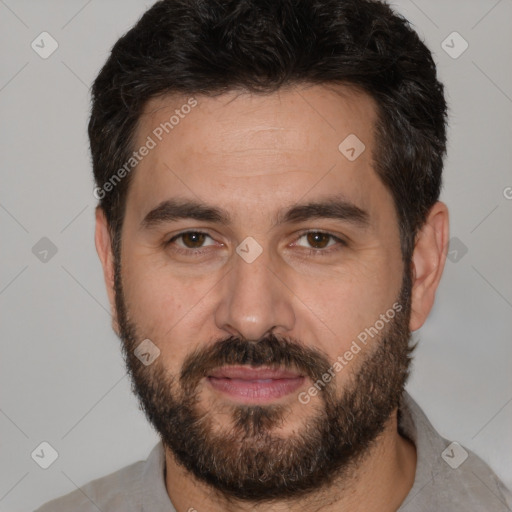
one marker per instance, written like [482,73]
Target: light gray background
[62,377]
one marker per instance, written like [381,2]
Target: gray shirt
[448,478]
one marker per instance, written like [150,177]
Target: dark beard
[249,462]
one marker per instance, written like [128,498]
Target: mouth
[254,385]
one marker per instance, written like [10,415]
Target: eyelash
[310,252]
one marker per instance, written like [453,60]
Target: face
[264,265]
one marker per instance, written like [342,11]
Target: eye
[320,240]
[191,241]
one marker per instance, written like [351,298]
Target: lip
[254,385]
[249,373]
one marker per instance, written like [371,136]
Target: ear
[428,261]
[104,249]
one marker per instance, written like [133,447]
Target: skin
[253,154]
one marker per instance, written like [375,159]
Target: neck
[380,483]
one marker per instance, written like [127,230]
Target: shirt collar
[412,423]
[154,491]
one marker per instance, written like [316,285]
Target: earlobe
[104,249]
[428,262]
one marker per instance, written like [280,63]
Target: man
[270,233]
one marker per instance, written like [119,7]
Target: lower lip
[260,390]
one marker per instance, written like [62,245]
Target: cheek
[340,312]
[151,293]
[169,309]
[155,303]
[343,306]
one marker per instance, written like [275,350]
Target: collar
[412,423]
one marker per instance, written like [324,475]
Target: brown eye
[317,239]
[193,240]
[189,242]
[320,243]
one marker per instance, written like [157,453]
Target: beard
[249,461]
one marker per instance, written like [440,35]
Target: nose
[254,300]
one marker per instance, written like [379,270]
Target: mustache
[269,351]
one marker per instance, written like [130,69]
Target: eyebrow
[333,207]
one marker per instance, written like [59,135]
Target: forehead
[250,148]
[291,117]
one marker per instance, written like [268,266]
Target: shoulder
[115,492]
[449,476]
[471,486]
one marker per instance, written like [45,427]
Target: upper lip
[248,373]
